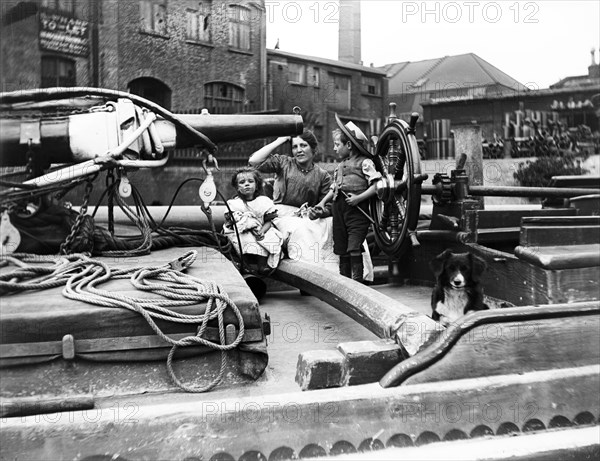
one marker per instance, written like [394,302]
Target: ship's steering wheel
[395,209]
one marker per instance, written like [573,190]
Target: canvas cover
[34,326]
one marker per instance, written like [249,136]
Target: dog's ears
[437,264]
[478,266]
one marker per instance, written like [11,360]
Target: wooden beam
[512,218]
[320,369]
[532,235]
[562,220]
[380,314]
[562,257]
[355,362]
[365,361]
[518,279]
[514,340]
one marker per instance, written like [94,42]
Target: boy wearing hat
[353,183]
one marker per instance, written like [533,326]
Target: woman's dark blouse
[293,185]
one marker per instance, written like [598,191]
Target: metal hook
[209,158]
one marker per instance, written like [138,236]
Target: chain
[30,166]
[110,182]
[66,245]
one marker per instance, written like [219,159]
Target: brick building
[323,87]
[183,54]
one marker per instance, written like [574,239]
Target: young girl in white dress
[253,214]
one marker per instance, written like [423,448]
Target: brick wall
[125,53]
[21,56]
[318,103]
[182,65]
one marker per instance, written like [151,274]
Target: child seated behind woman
[253,214]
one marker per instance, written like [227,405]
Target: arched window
[152,89]
[57,71]
[223,98]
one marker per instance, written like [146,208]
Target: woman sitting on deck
[300,184]
[299,181]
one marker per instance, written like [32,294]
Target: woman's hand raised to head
[283,139]
[263,153]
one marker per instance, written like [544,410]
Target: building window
[340,94]
[371,85]
[296,73]
[153,16]
[315,76]
[60,6]
[151,89]
[239,27]
[57,72]
[198,24]
[223,98]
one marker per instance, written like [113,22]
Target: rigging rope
[81,276]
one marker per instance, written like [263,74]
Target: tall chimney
[594,69]
[349,32]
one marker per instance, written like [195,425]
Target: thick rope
[141,223]
[82,275]
[159,237]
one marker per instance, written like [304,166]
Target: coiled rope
[81,276]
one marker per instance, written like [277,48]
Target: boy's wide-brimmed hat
[355,135]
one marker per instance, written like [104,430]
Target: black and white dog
[457,289]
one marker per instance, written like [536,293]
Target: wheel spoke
[397,212]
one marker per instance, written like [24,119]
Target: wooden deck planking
[299,324]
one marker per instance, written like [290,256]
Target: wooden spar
[84,136]
[179,216]
[380,314]
[240,127]
[55,136]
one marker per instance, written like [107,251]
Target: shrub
[539,172]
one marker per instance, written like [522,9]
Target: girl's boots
[356,262]
[345,266]
[262,266]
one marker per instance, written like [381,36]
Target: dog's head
[457,270]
